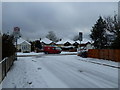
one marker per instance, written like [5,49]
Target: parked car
[37,50]
[51,50]
[82,52]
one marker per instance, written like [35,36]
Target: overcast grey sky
[66,19]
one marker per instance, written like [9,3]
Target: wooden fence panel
[3,69]
[91,53]
[109,54]
[96,53]
[106,54]
[6,65]
[117,55]
[0,72]
[101,54]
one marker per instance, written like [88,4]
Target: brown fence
[109,54]
[5,65]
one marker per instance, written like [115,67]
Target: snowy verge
[31,53]
[42,53]
[68,53]
[100,61]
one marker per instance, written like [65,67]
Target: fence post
[5,66]
[0,72]
[0,58]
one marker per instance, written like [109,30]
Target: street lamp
[16,34]
[80,39]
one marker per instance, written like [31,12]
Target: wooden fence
[5,65]
[108,54]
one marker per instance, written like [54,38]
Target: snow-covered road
[66,71]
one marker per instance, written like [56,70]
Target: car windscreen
[57,48]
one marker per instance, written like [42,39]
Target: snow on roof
[21,40]
[63,41]
[46,41]
[84,41]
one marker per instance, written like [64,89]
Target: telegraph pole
[80,39]
[16,34]
[16,48]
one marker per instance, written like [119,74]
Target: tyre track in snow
[70,74]
[92,76]
[94,62]
[60,72]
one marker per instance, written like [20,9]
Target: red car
[51,50]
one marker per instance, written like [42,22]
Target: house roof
[21,40]
[63,41]
[84,41]
[46,41]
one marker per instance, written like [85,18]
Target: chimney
[60,39]
[40,39]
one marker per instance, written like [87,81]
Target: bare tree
[76,37]
[113,26]
[52,36]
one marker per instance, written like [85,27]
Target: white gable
[63,41]
[21,40]
[84,41]
[46,41]
[25,43]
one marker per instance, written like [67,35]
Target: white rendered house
[23,45]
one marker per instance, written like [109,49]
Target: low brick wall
[109,54]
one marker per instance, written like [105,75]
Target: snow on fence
[108,54]
[5,65]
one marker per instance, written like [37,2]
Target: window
[25,47]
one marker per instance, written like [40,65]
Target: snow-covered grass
[62,71]
[41,53]
[68,52]
[31,53]
[100,61]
